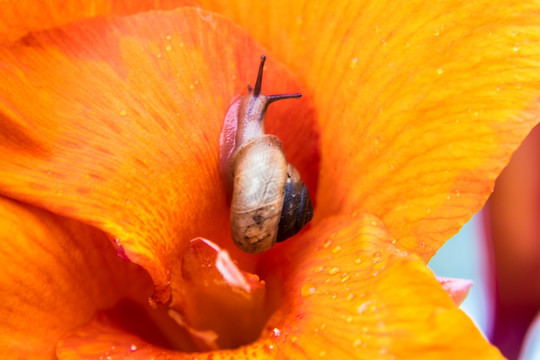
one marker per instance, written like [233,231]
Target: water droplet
[357,343]
[327,244]
[168,37]
[333,271]
[353,63]
[191,86]
[158,55]
[276,332]
[436,32]
[168,47]
[123,112]
[515,48]
[308,289]
[323,326]
[349,319]
[440,71]
[133,348]
[358,261]
[337,249]
[345,277]
[376,257]
[363,307]
[320,268]
[393,241]
[350,297]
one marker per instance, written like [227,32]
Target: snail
[270,203]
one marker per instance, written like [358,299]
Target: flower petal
[117,123]
[55,274]
[351,293]
[456,288]
[348,293]
[18,18]
[420,104]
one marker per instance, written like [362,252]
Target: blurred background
[499,249]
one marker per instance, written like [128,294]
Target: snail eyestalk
[258,84]
[272,98]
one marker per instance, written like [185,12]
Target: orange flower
[110,128]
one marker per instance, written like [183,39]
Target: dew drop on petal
[354,61]
[336,249]
[133,348]
[308,290]
[276,332]
[376,257]
[333,270]
[363,307]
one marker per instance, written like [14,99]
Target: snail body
[269,201]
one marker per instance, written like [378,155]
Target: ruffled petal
[117,123]
[55,274]
[348,293]
[420,104]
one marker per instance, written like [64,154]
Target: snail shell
[269,202]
